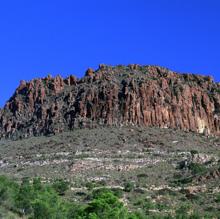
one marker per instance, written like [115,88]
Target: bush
[35,200]
[37,185]
[129,186]
[145,204]
[60,186]
[117,192]
[24,197]
[105,205]
[193,152]
[218,198]
[8,192]
[183,209]
[197,168]
[49,205]
[90,185]
[32,199]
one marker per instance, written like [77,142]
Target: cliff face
[114,96]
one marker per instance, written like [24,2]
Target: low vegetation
[111,173]
[36,200]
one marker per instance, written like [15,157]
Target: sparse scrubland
[121,173]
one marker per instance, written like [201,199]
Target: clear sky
[65,37]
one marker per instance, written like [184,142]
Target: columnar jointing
[113,96]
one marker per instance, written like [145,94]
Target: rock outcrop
[113,96]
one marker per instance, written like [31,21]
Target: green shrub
[117,192]
[35,200]
[129,186]
[90,185]
[24,197]
[105,205]
[218,198]
[145,204]
[8,192]
[193,152]
[182,211]
[60,186]
[37,185]
[197,168]
[48,205]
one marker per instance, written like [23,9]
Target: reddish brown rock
[133,66]
[58,84]
[116,96]
[89,72]
[71,80]
[22,85]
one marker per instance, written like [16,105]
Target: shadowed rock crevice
[113,96]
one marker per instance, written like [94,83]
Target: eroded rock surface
[113,96]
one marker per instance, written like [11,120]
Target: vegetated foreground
[127,172]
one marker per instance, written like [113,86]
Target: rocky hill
[127,138]
[113,96]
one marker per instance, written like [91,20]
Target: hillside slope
[155,171]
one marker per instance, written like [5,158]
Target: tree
[105,205]
[37,185]
[49,205]
[8,192]
[24,197]
[41,210]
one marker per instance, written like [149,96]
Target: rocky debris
[203,158]
[198,158]
[114,96]
[192,190]
[210,175]
[109,164]
[3,163]
[43,162]
[163,188]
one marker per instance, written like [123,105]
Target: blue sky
[66,37]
